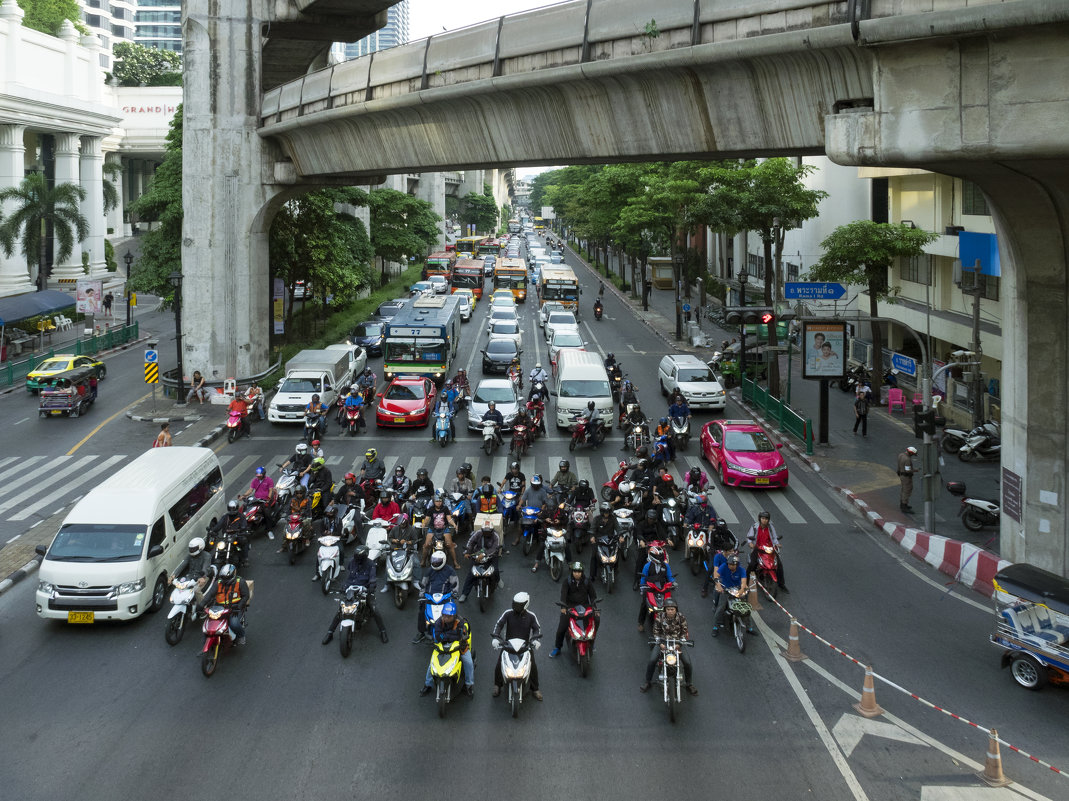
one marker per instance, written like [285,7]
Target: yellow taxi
[42,374]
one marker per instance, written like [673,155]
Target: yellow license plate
[80,617]
[761,481]
[399,419]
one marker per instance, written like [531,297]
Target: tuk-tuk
[727,364]
[1032,625]
[71,392]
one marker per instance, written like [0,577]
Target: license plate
[761,481]
[399,419]
[80,617]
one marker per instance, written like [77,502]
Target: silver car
[502,392]
[501,314]
[441,286]
[548,308]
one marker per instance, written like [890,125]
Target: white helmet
[538,366]
[520,602]
[196,545]
[438,560]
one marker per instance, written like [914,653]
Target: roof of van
[686,358]
[580,357]
[159,466]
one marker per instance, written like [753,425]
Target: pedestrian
[108,300]
[163,439]
[905,475]
[197,388]
[861,412]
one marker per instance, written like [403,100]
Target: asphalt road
[113,711]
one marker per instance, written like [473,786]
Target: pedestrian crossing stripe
[152,372]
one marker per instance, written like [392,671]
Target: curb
[27,569]
[140,418]
[204,441]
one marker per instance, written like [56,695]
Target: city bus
[558,283]
[514,226]
[539,224]
[440,263]
[488,247]
[512,274]
[468,245]
[422,338]
[468,274]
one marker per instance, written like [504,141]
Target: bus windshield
[467,279]
[510,281]
[421,351]
[553,290]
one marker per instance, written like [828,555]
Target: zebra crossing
[37,486]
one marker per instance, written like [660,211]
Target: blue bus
[422,338]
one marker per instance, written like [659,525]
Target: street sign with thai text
[813,291]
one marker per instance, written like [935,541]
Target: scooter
[378,535]
[489,437]
[236,425]
[767,572]
[516,660]
[295,536]
[432,606]
[660,453]
[610,487]
[351,523]
[671,518]
[598,310]
[260,515]
[579,520]
[483,571]
[670,671]
[519,441]
[529,527]
[314,427]
[217,635]
[608,554]
[447,672]
[625,528]
[329,561]
[553,552]
[460,508]
[582,626]
[509,508]
[580,435]
[442,433]
[975,513]
[354,419]
[982,448]
[954,439]
[697,549]
[680,432]
[400,573]
[355,612]
[656,594]
[183,610]
[285,486]
[739,610]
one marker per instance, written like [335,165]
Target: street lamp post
[176,281]
[645,276]
[743,278]
[678,263]
[128,260]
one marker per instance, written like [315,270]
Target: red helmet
[668,478]
[315,443]
[295,520]
[350,475]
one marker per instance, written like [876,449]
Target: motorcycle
[519,441]
[284,488]
[400,572]
[432,606]
[314,427]
[260,515]
[537,414]
[483,571]
[553,552]
[626,412]
[378,535]
[739,610]
[447,671]
[355,612]
[225,549]
[516,659]
[616,381]
[460,508]
[489,437]
[582,627]
[982,447]
[954,439]
[295,537]
[354,419]
[515,375]
[351,523]
[660,453]
[183,609]
[697,549]
[608,554]
[580,435]
[529,527]
[637,437]
[680,432]
[236,425]
[767,571]
[598,310]
[610,487]
[975,513]
[460,382]
[442,432]
[329,560]
[217,634]
[510,515]
[854,376]
[670,671]
[579,520]
[671,518]
[656,594]
[625,528]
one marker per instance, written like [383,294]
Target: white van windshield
[585,388]
[104,542]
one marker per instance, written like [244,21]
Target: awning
[31,304]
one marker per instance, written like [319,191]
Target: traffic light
[749,315]
[923,421]
[767,318]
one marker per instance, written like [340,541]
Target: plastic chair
[918,399]
[895,397]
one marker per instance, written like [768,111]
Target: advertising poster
[87,300]
[824,345]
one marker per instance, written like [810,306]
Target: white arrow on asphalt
[639,352]
[851,728]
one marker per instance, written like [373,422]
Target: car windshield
[505,327]
[585,388]
[105,542]
[695,375]
[388,310]
[567,339]
[368,330]
[501,346]
[562,318]
[405,392]
[299,385]
[748,441]
[549,308]
[496,394]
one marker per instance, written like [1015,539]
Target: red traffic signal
[767,318]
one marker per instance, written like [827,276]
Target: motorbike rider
[422,489]
[669,623]
[655,571]
[762,534]
[518,623]
[664,429]
[322,482]
[603,526]
[437,523]
[328,525]
[628,397]
[536,409]
[492,413]
[372,467]
[450,628]
[355,400]
[581,497]
[487,541]
[232,591]
[696,480]
[233,522]
[536,494]
[538,374]
[361,573]
[597,304]
[386,508]
[349,492]
[564,478]
[316,451]
[729,549]
[553,515]
[701,513]
[578,590]
[254,396]
[679,409]
[462,484]
[399,484]
[610,361]
[635,418]
[241,406]
[730,575]
[300,460]
[262,488]
[197,566]
[319,415]
[514,480]
[440,579]
[593,423]
[366,383]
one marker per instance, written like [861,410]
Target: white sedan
[441,286]
[501,314]
[559,319]
[507,329]
[564,338]
[549,307]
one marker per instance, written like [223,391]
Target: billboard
[548,213]
[87,298]
[824,345]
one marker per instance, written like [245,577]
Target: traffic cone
[868,706]
[992,772]
[754,598]
[794,647]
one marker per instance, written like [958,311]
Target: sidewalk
[862,468]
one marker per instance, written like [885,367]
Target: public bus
[488,247]
[440,263]
[422,338]
[468,274]
[514,226]
[468,245]
[512,274]
[557,282]
[539,224]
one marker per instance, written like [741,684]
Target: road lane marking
[20,422]
[88,436]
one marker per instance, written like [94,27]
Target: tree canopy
[402,225]
[480,211]
[136,64]
[35,203]
[47,16]
[161,248]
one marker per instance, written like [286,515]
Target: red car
[408,400]
[742,454]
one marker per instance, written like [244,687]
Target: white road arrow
[851,728]
[639,352]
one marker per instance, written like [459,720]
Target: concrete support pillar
[14,274]
[91,172]
[11,15]
[117,179]
[69,34]
[68,172]
[432,189]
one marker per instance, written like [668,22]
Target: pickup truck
[315,372]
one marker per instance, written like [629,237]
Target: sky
[427,17]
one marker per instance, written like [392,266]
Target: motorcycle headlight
[45,587]
[131,587]
[670,659]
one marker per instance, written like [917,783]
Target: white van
[691,376]
[581,378]
[111,557]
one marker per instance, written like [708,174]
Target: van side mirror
[40,550]
[155,551]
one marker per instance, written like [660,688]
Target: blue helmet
[450,609]
[261,472]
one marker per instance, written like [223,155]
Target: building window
[92,20]
[792,271]
[973,200]
[988,283]
[917,269]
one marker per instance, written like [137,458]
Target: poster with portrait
[824,345]
[87,298]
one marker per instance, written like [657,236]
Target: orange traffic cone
[754,598]
[868,706]
[992,772]
[794,647]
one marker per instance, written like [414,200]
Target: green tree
[480,211]
[161,248]
[112,171]
[862,253]
[136,64]
[38,208]
[505,214]
[47,16]
[402,225]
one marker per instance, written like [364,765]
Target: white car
[501,315]
[507,329]
[502,392]
[464,305]
[548,307]
[559,319]
[502,298]
[691,376]
[564,338]
[441,286]
[421,288]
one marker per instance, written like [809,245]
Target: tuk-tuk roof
[74,376]
[1035,584]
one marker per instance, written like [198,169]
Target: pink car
[742,455]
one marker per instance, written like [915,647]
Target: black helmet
[399,470]
[332,511]
[487,488]
[563,464]
[466,467]
[300,490]
[590,405]
[605,507]
[670,604]
[384,496]
[764,514]
[232,506]
[584,483]
[360,553]
[421,473]
[315,398]
[651,514]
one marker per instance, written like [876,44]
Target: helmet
[196,545]
[302,447]
[651,514]
[261,472]
[460,471]
[449,609]
[733,560]
[487,488]
[584,483]
[668,478]
[624,487]
[421,473]
[590,405]
[538,365]
[721,523]
[232,506]
[611,357]
[577,567]
[332,511]
[670,604]
[438,560]
[605,507]
[643,463]
[911,451]
[367,372]
[663,421]
[491,405]
[466,467]
[384,495]
[563,464]
[536,480]
[437,499]
[350,475]
[315,398]
[228,572]
[370,454]
[520,602]
[315,443]
[399,470]
[360,553]
[764,514]
[318,463]
[300,491]
[487,526]
[515,466]
[657,555]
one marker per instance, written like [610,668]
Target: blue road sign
[813,291]
[904,364]
[686,307]
[152,356]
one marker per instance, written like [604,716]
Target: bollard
[794,647]
[992,772]
[868,706]
[754,598]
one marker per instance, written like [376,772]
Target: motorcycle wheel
[695,563]
[769,584]
[740,635]
[293,555]
[610,580]
[488,446]
[972,520]
[671,706]
[443,441]
[484,601]
[514,699]
[607,492]
[571,445]
[443,701]
[326,585]
[555,569]
[579,544]
[209,660]
[176,627]
[399,597]
[951,444]
[584,665]
[232,435]
[967,456]
[345,643]
[528,544]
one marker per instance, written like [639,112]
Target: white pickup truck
[315,372]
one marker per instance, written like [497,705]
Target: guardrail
[14,371]
[787,419]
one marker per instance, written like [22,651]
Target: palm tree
[111,192]
[38,206]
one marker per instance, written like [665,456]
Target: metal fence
[786,418]
[12,372]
